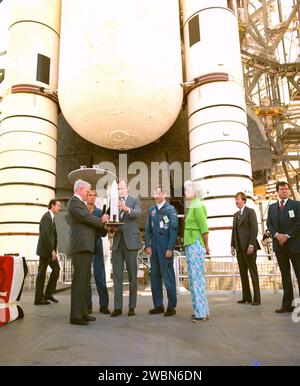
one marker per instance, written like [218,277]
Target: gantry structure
[270,51]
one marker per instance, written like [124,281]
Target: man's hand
[282,238]
[122,206]
[233,251]
[169,253]
[105,218]
[149,251]
[250,250]
[54,256]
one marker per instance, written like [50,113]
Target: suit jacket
[83,227]
[130,230]
[48,237]
[290,224]
[245,230]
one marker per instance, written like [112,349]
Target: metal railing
[65,275]
[221,272]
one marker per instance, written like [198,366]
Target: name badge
[291,213]
[166,219]
[161,224]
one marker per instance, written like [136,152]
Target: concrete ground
[234,335]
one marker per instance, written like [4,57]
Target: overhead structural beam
[286,25]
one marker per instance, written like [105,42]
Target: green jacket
[195,223]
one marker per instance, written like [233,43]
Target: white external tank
[28,126]
[120,69]
[219,142]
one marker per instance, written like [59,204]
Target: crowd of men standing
[88,225]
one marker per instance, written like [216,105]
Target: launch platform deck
[235,335]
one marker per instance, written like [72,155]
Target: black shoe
[90,309]
[41,302]
[244,301]
[80,322]
[51,298]
[170,312]
[90,318]
[116,313]
[255,303]
[104,310]
[285,309]
[131,312]
[157,310]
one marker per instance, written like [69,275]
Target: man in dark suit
[126,242]
[47,250]
[83,226]
[284,224]
[244,243]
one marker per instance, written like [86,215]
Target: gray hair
[79,184]
[194,188]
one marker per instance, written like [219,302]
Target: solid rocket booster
[28,127]
[219,142]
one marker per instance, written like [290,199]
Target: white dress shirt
[159,206]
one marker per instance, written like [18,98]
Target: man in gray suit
[83,227]
[244,242]
[126,242]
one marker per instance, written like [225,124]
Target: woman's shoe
[197,320]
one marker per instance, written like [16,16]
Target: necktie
[121,212]
[281,204]
[239,214]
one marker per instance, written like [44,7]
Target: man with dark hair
[244,243]
[98,260]
[284,224]
[47,250]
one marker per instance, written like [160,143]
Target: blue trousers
[100,280]
[162,271]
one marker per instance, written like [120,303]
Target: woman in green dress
[196,247]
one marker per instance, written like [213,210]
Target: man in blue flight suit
[161,234]
[98,260]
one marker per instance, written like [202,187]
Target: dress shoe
[285,309]
[51,298]
[255,303]
[90,318]
[157,310]
[170,312]
[80,322]
[131,312]
[41,302]
[116,313]
[244,301]
[90,309]
[104,310]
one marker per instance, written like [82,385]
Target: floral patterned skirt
[195,257]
